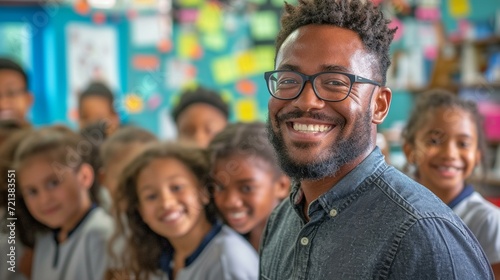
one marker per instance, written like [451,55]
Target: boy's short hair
[200,95]
[9,64]
[98,89]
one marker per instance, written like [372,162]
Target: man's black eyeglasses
[328,86]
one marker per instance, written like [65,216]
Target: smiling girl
[444,140]
[174,232]
[247,181]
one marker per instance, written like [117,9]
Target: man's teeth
[313,128]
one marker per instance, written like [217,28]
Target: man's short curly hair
[360,16]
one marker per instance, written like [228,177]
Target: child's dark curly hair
[143,245]
[359,16]
[248,139]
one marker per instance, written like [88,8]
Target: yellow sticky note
[246,63]
[188,43]
[264,58]
[246,110]
[264,25]
[224,69]
[459,8]
[209,18]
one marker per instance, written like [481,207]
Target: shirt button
[304,241]
[333,212]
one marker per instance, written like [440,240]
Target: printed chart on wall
[91,56]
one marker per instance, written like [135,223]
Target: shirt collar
[373,165]
[466,192]
[167,255]
[56,231]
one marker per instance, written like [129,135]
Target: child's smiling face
[171,201]
[246,191]
[445,150]
[56,196]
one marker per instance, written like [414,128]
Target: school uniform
[222,255]
[82,256]
[482,218]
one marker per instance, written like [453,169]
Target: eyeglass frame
[353,79]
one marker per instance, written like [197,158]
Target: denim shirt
[376,223]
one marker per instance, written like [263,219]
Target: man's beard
[328,164]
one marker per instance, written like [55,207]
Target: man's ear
[282,187]
[380,104]
[85,176]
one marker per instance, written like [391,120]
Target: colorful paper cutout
[215,41]
[82,7]
[133,103]
[264,25]
[188,45]
[145,62]
[246,63]
[428,13]
[224,69]
[209,18]
[395,22]
[154,101]
[246,87]
[190,3]
[99,17]
[264,58]
[187,15]
[165,45]
[179,72]
[459,8]
[246,110]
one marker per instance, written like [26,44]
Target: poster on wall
[92,55]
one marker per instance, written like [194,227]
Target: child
[117,151]
[15,99]
[248,182]
[96,104]
[23,250]
[444,140]
[199,116]
[68,230]
[173,227]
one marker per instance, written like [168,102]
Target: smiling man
[349,215]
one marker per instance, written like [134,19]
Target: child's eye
[434,141]
[464,144]
[52,183]
[246,189]
[150,197]
[176,188]
[30,193]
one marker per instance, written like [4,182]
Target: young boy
[15,99]
[95,104]
[200,115]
